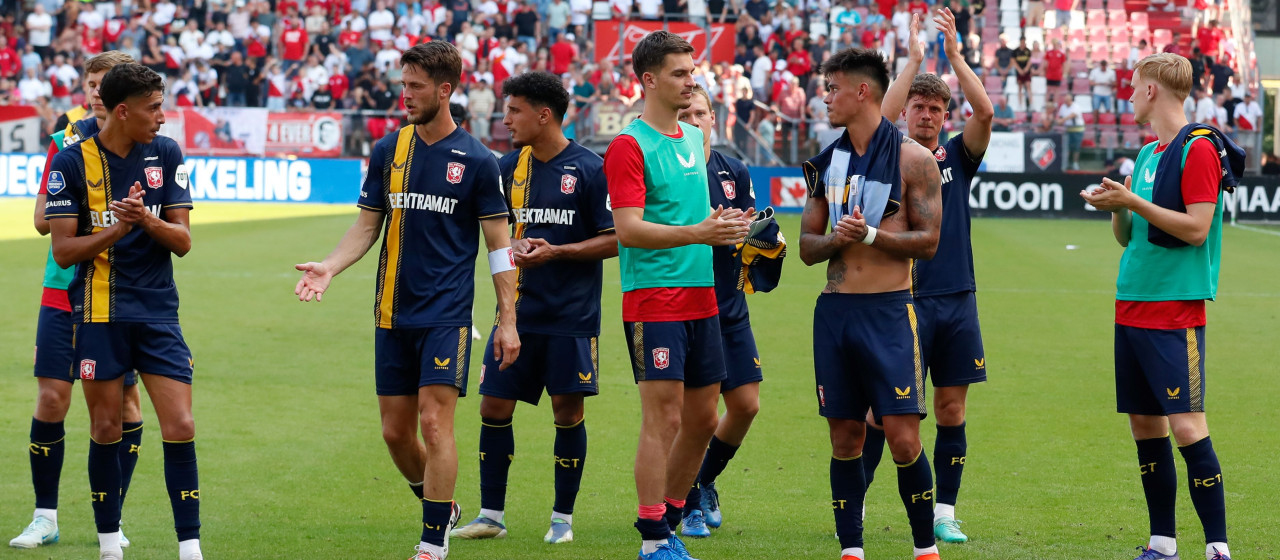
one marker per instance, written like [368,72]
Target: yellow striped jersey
[434,197]
[562,201]
[131,281]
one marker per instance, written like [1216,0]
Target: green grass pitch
[292,464]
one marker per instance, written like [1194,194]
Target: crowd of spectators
[343,54]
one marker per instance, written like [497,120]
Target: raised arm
[506,343]
[354,244]
[895,98]
[977,130]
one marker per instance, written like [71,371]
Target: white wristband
[501,261]
[871,236]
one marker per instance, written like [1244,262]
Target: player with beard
[944,286]
[657,176]
[428,187]
[563,232]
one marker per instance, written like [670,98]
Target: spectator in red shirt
[10,62]
[1124,87]
[1210,37]
[800,62]
[1054,60]
[338,85]
[1175,47]
[293,42]
[563,53]
[918,7]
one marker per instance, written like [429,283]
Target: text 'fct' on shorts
[689,351]
[407,359]
[866,354]
[107,351]
[951,339]
[559,364]
[1159,371]
[741,358]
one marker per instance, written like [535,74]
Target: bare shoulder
[917,162]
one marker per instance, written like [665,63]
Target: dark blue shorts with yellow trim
[407,359]
[688,351]
[106,351]
[951,339]
[1159,371]
[741,359]
[866,354]
[559,364]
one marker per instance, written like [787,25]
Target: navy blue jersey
[562,201]
[730,185]
[434,197]
[951,269]
[84,128]
[132,281]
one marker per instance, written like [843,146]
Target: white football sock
[650,547]
[494,514]
[50,514]
[1209,550]
[1164,545]
[942,510]
[918,552]
[432,548]
[109,541]
[567,517]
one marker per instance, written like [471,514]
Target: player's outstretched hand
[1110,196]
[915,49]
[315,280]
[851,229]
[946,23]
[724,227]
[506,345]
[538,253]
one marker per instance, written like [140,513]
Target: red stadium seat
[1100,52]
[1051,35]
[1096,19]
[993,84]
[1093,5]
[1110,139]
[1117,18]
[1097,37]
[1115,5]
[1138,19]
[1120,36]
[1077,53]
[1127,119]
[1088,143]
[1132,139]
[1107,119]
[1088,118]
[1161,37]
[1080,87]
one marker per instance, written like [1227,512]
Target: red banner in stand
[722,39]
[304,134]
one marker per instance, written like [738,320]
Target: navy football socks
[1204,475]
[182,479]
[104,484]
[497,447]
[1159,484]
[570,455]
[848,490]
[47,450]
[915,485]
[872,450]
[948,461]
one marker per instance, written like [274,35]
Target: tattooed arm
[922,191]
[816,245]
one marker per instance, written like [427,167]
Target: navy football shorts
[407,359]
[106,351]
[866,354]
[951,339]
[688,351]
[741,359]
[559,364]
[1159,371]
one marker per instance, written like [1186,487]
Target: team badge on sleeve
[940,154]
[87,369]
[155,177]
[567,182]
[56,182]
[730,189]
[661,358]
[454,173]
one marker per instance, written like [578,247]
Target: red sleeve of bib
[48,162]
[1202,174]
[624,171]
